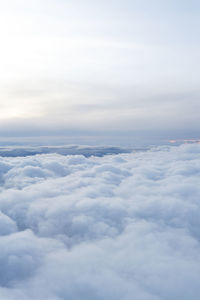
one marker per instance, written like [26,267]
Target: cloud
[120,226]
[63,150]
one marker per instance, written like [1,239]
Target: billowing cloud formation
[115,227]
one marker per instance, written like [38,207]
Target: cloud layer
[65,150]
[115,227]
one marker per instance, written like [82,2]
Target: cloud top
[115,227]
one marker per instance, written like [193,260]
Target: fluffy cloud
[114,227]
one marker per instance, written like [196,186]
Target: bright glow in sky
[99,65]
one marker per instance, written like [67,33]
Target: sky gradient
[100,68]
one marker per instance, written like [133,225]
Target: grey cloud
[63,150]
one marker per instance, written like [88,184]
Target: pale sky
[99,67]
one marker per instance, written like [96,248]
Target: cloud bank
[65,150]
[115,227]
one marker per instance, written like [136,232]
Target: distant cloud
[86,151]
[112,227]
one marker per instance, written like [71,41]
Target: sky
[118,70]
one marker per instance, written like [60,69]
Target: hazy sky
[109,67]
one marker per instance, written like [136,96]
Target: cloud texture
[115,227]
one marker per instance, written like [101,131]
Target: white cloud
[115,227]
